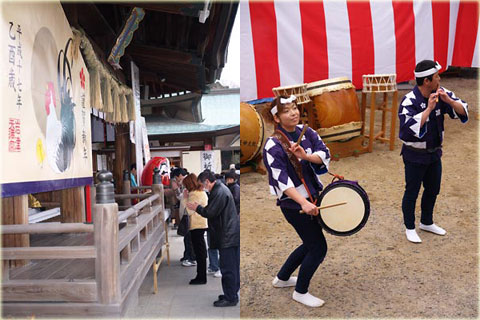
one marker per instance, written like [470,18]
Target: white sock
[307,299]
[291,282]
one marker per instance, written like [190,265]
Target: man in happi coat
[421,114]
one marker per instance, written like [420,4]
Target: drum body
[252,133]
[346,219]
[334,102]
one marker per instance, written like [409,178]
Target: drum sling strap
[293,160]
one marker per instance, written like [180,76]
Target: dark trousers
[200,249]
[230,269]
[416,174]
[188,254]
[309,254]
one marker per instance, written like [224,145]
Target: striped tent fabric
[285,43]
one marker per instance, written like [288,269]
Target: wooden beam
[188,137]
[69,252]
[56,309]
[185,9]
[52,227]
[132,196]
[49,290]
[162,54]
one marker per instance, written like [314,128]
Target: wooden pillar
[15,211]
[122,148]
[72,205]
[371,134]
[105,221]
[363,111]
[394,120]
[384,114]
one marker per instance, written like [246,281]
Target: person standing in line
[178,174]
[230,179]
[224,224]
[198,225]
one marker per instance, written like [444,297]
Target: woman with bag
[198,225]
[295,156]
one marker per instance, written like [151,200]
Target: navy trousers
[309,254]
[230,269]
[416,174]
[188,253]
[200,249]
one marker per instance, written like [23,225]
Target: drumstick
[328,206]
[305,127]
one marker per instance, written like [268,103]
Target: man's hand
[432,101]
[310,208]
[192,206]
[457,106]
[444,96]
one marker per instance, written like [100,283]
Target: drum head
[346,219]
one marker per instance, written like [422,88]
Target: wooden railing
[122,257]
[47,290]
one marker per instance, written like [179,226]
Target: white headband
[429,72]
[290,99]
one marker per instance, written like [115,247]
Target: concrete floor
[176,299]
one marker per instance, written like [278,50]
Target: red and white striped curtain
[291,42]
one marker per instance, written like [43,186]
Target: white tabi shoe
[307,299]
[291,282]
[433,228]
[412,236]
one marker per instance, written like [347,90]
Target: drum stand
[383,83]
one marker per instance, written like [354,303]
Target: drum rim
[300,85]
[352,185]
[317,88]
[327,81]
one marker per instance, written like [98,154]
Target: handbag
[184,225]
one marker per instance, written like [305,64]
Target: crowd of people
[212,204]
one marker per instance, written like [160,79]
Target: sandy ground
[376,272]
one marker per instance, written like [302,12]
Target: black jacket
[235,190]
[223,220]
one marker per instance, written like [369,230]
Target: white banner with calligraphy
[208,161]
[45,116]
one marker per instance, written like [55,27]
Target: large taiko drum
[334,103]
[252,132]
[346,208]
